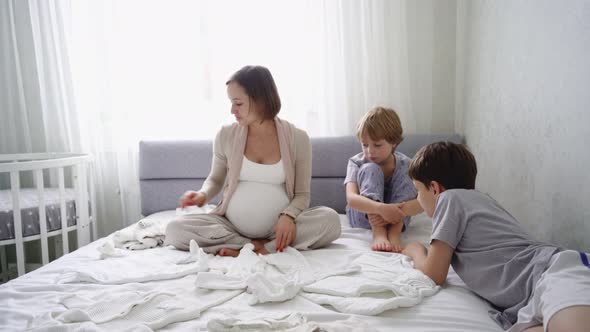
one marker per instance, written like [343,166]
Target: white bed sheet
[453,308]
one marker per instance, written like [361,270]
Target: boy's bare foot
[259,247]
[228,252]
[396,246]
[394,237]
[380,243]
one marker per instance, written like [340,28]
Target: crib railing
[84,194]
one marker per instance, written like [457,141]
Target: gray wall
[523,104]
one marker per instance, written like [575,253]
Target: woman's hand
[285,231]
[192,198]
[392,213]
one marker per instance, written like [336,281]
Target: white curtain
[36,87]
[98,76]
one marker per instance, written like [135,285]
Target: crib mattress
[37,295]
[30,211]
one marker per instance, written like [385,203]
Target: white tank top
[259,198]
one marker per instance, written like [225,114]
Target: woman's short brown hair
[381,123]
[260,87]
[450,164]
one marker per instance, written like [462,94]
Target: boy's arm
[391,213]
[433,262]
[411,208]
[359,202]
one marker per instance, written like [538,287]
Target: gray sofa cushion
[174,159]
[169,168]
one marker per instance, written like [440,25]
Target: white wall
[523,103]
[431,56]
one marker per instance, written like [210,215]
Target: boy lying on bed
[533,285]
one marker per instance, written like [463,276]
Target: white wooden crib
[46,201]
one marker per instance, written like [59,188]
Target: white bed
[167,169]
[32,298]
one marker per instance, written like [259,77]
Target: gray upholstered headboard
[169,168]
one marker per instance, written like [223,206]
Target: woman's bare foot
[228,252]
[259,247]
[380,243]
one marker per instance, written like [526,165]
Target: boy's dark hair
[260,87]
[450,164]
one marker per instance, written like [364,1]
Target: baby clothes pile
[350,288]
[366,284]
[148,232]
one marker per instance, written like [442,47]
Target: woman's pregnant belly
[254,207]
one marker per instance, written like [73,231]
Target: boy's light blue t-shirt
[493,255]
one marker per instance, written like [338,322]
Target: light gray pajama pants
[371,184]
[316,227]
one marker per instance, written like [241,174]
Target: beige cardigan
[228,154]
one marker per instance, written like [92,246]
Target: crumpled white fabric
[150,232]
[196,255]
[297,266]
[141,235]
[274,277]
[138,266]
[131,307]
[271,289]
[108,249]
[380,273]
[233,320]
[251,272]
[102,308]
[246,321]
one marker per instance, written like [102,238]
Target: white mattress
[29,204]
[453,308]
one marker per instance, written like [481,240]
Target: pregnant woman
[263,165]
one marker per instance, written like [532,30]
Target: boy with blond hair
[533,286]
[379,193]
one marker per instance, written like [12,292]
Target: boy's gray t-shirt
[493,255]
